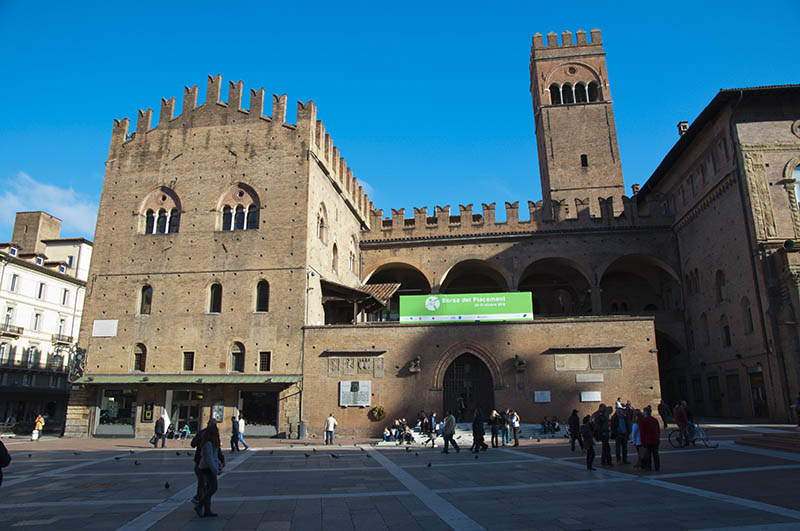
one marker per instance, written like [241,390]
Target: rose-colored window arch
[161,212]
[239,208]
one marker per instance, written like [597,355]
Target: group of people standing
[620,423]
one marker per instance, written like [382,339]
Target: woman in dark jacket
[478,433]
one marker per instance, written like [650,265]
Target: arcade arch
[559,287]
[473,276]
[639,284]
[412,282]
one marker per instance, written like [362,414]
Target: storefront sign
[353,393]
[467,307]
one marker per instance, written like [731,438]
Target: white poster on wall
[355,393]
[541,396]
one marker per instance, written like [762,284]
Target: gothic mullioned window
[555,94]
[239,208]
[161,212]
[580,93]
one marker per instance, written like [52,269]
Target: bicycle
[676,439]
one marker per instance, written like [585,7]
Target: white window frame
[41,293]
[65,297]
[14,284]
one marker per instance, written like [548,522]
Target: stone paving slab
[776,487]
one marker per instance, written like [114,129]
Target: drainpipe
[754,263]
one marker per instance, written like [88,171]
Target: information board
[355,393]
[467,307]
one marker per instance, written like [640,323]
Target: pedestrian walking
[234,434]
[574,424]
[664,412]
[5,460]
[602,432]
[478,433]
[619,424]
[462,406]
[514,417]
[160,430]
[210,467]
[330,427]
[636,439]
[506,427]
[448,431]
[241,432]
[38,426]
[587,434]
[197,445]
[651,435]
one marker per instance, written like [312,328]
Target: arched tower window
[580,93]
[238,208]
[237,357]
[704,329]
[593,90]
[150,222]
[145,300]
[238,220]
[720,286]
[215,298]
[335,258]
[262,296]
[161,222]
[567,94]
[139,357]
[160,212]
[252,217]
[747,316]
[725,330]
[796,177]
[555,94]
[322,223]
[227,218]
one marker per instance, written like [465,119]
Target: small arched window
[747,316]
[593,91]
[580,93]
[150,222]
[567,94]
[335,258]
[139,357]
[237,357]
[704,329]
[252,217]
[161,223]
[227,218]
[725,330]
[146,300]
[262,296]
[215,298]
[322,224]
[174,220]
[238,220]
[555,94]
[720,286]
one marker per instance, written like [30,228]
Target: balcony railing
[59,339]
[10,330]
[38,365]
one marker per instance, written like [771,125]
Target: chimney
[683,126]
[635,189]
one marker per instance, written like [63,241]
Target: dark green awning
[189,379]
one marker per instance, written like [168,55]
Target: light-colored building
[42,290]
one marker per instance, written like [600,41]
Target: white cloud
[367,188]
[77,212]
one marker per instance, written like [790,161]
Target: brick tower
[576,136]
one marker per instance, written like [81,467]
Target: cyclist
[679,415]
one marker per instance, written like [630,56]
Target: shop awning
[360,297]
[189,379]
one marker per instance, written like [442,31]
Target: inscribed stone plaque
[348,366]
[590,396]
[606,361]
[541,396]
[589,377]
[377,368]
[363,365]
[104,328]
[333,366]
[572,362]
[355,393]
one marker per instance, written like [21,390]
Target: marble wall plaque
[589,377]
[590,396]
[348,366]
[606,361]
[572,362]
[541,396]
[355,393]
[333,366]
[377,368]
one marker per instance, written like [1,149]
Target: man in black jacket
[161,430]
[5,460]
[574,430]
[602,433]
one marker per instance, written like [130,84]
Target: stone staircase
[784,442]
[463,435]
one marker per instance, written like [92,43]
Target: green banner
[467,307]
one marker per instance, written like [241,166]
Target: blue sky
[428,102]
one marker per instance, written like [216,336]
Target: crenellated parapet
[215,112]
[559,216]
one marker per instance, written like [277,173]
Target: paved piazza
[120,484]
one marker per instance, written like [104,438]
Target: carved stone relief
[364,365]
[759,195]
[333,366]
[377,368]
[348,366]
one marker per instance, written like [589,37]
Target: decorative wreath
[378,413]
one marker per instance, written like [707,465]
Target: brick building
[239,267]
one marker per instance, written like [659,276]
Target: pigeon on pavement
[429,465]
[166,485]
[137,463]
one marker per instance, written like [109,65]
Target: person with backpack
[5,460]
[210,466]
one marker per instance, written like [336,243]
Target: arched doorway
[468,376]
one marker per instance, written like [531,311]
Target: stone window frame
[264,359]
[139,358]
[262,298]
[214,302]
[238,209]
[145,304]
[161,203]
[237,355]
